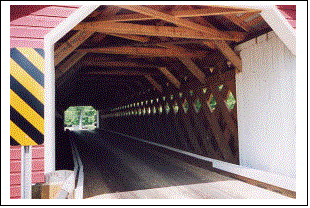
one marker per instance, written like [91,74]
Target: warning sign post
[26,173]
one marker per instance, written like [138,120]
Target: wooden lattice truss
[200,120]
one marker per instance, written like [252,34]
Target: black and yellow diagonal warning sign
[26,96]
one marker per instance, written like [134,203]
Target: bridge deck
[118,167]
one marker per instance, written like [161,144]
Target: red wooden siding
[55,11]
[15,168]
[38,21]
[18,11]
[28,26]
[289,12]
[30,23]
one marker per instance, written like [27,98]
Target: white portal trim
[49,81]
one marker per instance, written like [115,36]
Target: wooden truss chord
[160,31]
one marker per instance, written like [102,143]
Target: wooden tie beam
[141,51]
[160,31]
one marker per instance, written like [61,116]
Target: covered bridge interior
[165,74]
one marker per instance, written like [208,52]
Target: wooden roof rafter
[233,7]
[223,47]
[71,45]
[172,42]
[132,37]
[212,11]
[188,62]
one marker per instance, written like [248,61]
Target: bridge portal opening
[80,118]
[154,81]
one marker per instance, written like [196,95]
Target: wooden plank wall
[211,133]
